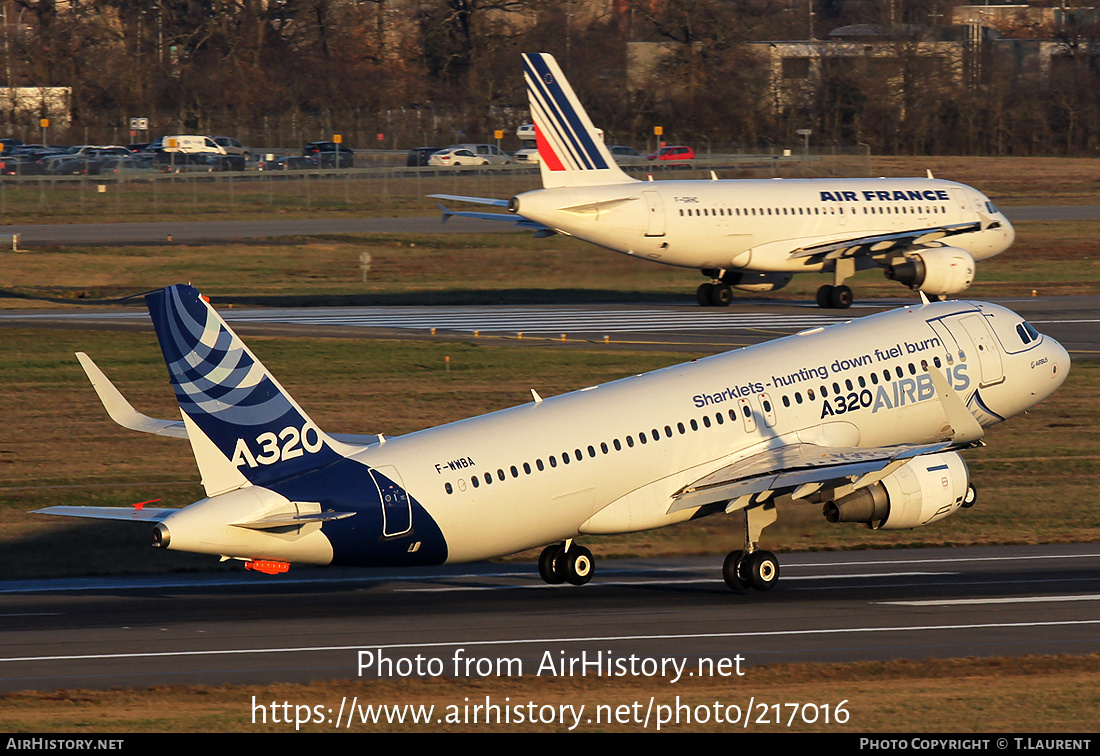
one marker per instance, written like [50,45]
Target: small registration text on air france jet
[863,420]
[753,235]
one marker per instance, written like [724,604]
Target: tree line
[406,73]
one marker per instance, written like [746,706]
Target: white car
[529,156]
[456,156]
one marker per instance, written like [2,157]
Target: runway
[189,231]
[1072,320]
[314,624]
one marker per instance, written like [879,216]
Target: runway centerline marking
[979,601]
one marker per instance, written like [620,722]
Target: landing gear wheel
[702,294]
[578,565]
[971,497]
[721,295]
[732,573]
[763,570]
[550,565]
[825,296]
[841,297]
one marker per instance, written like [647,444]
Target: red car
[676,154]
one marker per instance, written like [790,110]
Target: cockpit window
[991,207]
[1027,332]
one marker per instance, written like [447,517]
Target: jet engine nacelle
[750,280]
[936,270]
[920,492]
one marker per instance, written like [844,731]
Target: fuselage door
[656,210]
[989,356]
[396,507]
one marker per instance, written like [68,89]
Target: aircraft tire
[702,294]
[578,565]
[825,296]
[841,297]
[732,571]
[721,295]
[971,497]
[550,565]
[763,570]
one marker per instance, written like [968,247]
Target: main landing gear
[753,567]
[716,294]
[565,562]
[834,297]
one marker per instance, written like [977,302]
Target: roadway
[311,624]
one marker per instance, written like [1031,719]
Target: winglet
[120,410]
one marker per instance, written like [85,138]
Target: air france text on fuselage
[883,195]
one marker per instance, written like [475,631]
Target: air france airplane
[863,419]
[753,235]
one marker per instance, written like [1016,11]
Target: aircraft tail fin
[571,150]
[243,426]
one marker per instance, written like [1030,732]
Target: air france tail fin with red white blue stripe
[571,149]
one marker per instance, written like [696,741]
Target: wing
[881,243]
[800,469]
[123,413]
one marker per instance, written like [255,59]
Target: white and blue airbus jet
[753,235]
[863,419]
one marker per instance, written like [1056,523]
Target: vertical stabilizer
[571,150]
[244,427]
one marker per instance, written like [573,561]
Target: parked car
[232,146]
[418,156]
[330,154]
[677,154]
[626,155]
[456,156]
[118,166]
[529,155]
[183,162]
[490,153]
[286,163]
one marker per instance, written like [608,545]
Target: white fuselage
[757,224]
[610,458]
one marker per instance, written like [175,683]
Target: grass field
[58,446]
[397,192]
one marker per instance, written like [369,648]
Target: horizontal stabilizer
[291,520]
[109,513]
[471,200]
[518,220]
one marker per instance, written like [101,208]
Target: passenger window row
[831,210]
[629,442]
